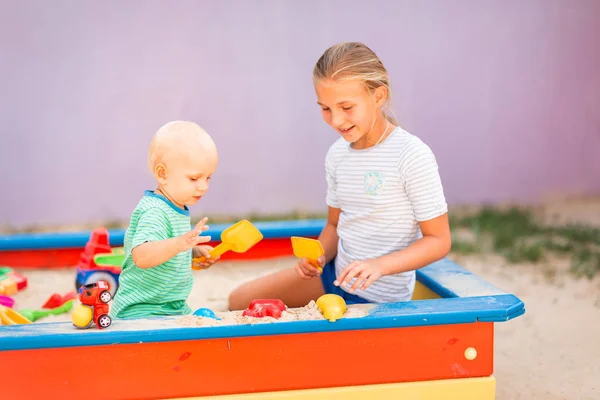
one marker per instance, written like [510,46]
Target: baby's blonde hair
[355,61]
[176,135]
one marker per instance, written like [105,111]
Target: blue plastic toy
[206,312]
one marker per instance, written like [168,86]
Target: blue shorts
[328,277]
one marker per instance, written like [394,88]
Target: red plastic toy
[19,279]
[97,295]
[57,300]
[11,282]
[265,308]
[87,271]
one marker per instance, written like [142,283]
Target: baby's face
[188,177]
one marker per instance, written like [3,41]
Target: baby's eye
[324,108]
[347,108]
[193,179]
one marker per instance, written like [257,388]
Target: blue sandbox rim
[466,298]
[66,240]
[390,315]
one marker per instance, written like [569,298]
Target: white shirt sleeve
[423,184]
[331,198]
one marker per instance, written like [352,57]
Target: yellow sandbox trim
[422,292]
[447,389]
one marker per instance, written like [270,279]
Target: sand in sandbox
[310,312]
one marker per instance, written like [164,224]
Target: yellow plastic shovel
[239,237]
[8,316]
[311,249]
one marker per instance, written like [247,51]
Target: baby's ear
[160,173]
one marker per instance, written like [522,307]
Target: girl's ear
[160,173]
[380,94]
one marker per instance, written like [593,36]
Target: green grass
[516,234]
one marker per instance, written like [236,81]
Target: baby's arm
[155,252]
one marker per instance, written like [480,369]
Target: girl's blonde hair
[355,61]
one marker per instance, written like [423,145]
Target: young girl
[387,210]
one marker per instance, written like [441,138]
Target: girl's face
[350,109]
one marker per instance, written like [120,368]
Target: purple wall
[506,93]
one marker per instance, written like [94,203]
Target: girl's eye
[325,109]
[193,179]
[347,108]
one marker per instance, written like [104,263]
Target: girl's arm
[433,246]
[329,237]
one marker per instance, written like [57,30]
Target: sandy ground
[552,352]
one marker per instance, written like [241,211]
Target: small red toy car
[96,296]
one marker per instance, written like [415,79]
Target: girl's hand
[365,272]
[200,251]
[306,270]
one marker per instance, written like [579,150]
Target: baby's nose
[202,185]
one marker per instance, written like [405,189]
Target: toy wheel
[104,321]
[105,296]
[103,276]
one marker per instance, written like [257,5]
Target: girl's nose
[337,118]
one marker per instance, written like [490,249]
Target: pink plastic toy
[7,301]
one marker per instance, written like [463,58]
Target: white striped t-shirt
[383,192]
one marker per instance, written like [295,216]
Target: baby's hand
[191,239]
[306,270]
[200,251]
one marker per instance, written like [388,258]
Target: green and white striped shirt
[160,290]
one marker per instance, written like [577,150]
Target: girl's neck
[381,129]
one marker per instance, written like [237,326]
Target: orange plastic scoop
[239,238]
[311,249]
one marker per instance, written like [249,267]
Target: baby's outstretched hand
[365,272]
[203,251]
[192,238]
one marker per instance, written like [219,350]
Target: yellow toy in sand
[81,316]
[8,316]
[239,238]
[311,249]
[332,306]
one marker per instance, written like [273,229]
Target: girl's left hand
[199,251]
[365,272]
